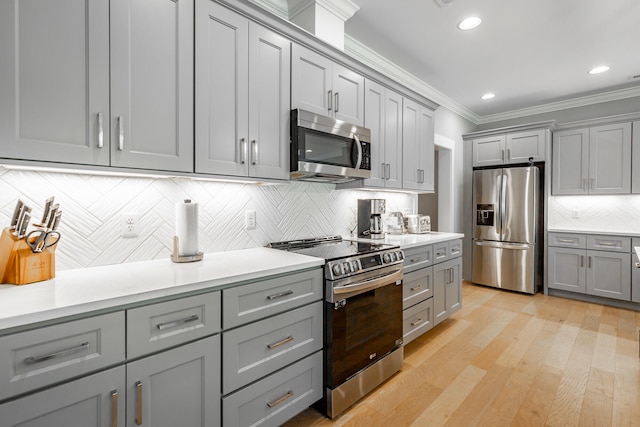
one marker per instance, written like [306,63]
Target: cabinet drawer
[568,240]
[418,257]
[276,398]
[440,252]
[609,243]
[36,358]
[159,326]
[455,248]
[244,304]
[417,286]
[255,350]
[417,320]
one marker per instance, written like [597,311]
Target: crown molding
[277,7]
[376,61]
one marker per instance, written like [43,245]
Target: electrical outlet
[250,220]
[575,214]
[130,223]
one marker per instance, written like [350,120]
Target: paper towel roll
[187,228]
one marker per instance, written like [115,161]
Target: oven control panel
[346,267]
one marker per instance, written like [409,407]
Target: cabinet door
[269,103]
[375,120]
[222,96]
[96,400]
[635,162]
[610,159]
[570,162]
[311,81]
[54,81]
[179,387]
[609,274]
[411,173]
[567,269]
[489,151]
[393,139]
[447,289]
[348,95]
[427,150]
[525,146]
[152,84]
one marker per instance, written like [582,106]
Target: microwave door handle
[359,146]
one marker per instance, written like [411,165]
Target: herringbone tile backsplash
[92,206]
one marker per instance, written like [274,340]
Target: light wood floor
[508,359]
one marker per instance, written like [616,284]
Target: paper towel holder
[176,257]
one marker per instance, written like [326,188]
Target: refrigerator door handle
[502,245]
[503,205]
[499,218]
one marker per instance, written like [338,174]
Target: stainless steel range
[363,316]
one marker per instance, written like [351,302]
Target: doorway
[439,204]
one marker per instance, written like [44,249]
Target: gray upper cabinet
[243,96]
[383,116]
[635,162]
[54,80]
[592,161]
[510,148]
[68,112]
[152,84]
[324,87]
[418,147]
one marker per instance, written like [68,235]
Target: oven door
[361,329]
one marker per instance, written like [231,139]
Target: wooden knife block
[19,265]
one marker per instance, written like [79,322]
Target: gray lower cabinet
[276,398]
[95,400]
[447,289]
[590,264]
[432,286]
[635,270]
[178,387]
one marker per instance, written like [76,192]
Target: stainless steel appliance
[506,232]
[328,150]
[370,218]
[418,224]
[363,316]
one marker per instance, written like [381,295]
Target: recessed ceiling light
[469,23]
[488,95]
[599,69]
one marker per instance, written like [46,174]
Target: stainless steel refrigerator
[505,230]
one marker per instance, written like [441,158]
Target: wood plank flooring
[507,359]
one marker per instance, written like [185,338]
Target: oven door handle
[367,285]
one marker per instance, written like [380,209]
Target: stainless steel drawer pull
[417,322]
[100,131]
[280,295]
[120,133]
[416,288]
[163,326]
[566,240]
[114,408]
[279,343]
[33,360]
[138,385]
[279,401]
[415,259]
[609,244]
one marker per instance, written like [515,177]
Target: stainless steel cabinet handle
[383,171]
[566,240]
[138,385]
[415,259]
[508,154]
[33,360]
[416,287]
[100,130]
[330,101]
[120,133]
[279,343]
[337,102]
[609,244]
[254,144]
[114,408]
[388,171]
[417,322]
[243,151]
[279,401]
[163,326]
[581,260]
[589,262]
[502,155]
[280,295]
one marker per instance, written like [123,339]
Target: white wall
[92,206]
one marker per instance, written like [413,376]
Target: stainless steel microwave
[328,150]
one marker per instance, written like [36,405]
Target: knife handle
[16,214]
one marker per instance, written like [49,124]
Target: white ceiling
[530,53]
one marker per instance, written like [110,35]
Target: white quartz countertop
[406,241]
[74,292]
[593,231]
